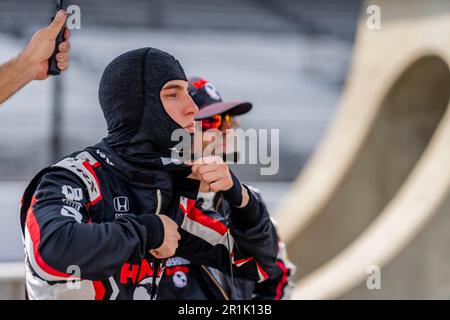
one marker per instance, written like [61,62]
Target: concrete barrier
[12,281]
[380,178]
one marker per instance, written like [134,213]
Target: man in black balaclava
[144,98]
[110,214]
[139,126]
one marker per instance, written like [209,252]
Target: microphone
[52,63]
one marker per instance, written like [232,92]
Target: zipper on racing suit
[156,262]
[216,283]
[158,201]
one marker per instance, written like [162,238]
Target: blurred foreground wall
[376,193]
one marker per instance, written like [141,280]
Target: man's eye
[171,95]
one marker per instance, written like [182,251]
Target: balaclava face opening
[139,128]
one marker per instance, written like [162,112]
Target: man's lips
[190,127]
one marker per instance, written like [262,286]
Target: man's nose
[192,108]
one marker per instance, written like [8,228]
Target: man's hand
[215,174]
[42,45]
[171,238]
[32,63]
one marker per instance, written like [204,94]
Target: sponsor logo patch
[121,204]
[72,213]
[72,194]
[74,204]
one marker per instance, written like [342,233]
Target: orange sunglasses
[215,122]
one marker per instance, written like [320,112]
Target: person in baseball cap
[210,103]
[214,113]
[189,280]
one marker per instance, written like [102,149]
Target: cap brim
[234,108]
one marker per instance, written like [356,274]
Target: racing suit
[183,280]
[89,221]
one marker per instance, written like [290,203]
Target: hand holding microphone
[43,46]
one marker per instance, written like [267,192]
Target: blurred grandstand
[288,56]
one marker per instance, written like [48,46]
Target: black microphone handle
[52,63]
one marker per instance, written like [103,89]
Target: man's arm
[280,285]
[32,63]
[250,240]
[59,232]
[249,250]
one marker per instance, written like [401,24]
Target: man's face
[178,104]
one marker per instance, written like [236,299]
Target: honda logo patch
[121,204]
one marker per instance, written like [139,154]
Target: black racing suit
[88,223]
[183,280]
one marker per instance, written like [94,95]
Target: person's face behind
[178,104]
[224,146]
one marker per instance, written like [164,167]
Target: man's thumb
[55,27]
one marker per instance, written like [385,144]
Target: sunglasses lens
[212,123]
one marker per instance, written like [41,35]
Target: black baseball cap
[209,101]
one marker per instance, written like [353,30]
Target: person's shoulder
[80,156]
[76,169]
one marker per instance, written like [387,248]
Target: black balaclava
[139,128]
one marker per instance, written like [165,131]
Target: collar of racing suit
[164,174]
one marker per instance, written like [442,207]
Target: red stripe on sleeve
[261,272]
[35,234]
[283,281]
[207,221]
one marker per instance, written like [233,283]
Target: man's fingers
[217,186]
[64,47]
[160,255]
[211,177]
[206,164]
[156,254]
[213,160]
[176,233]
[55,27]
[207,168]
[209,160]
[201,162]
[66,34]
[195,168]
[62,57]
[63,66]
